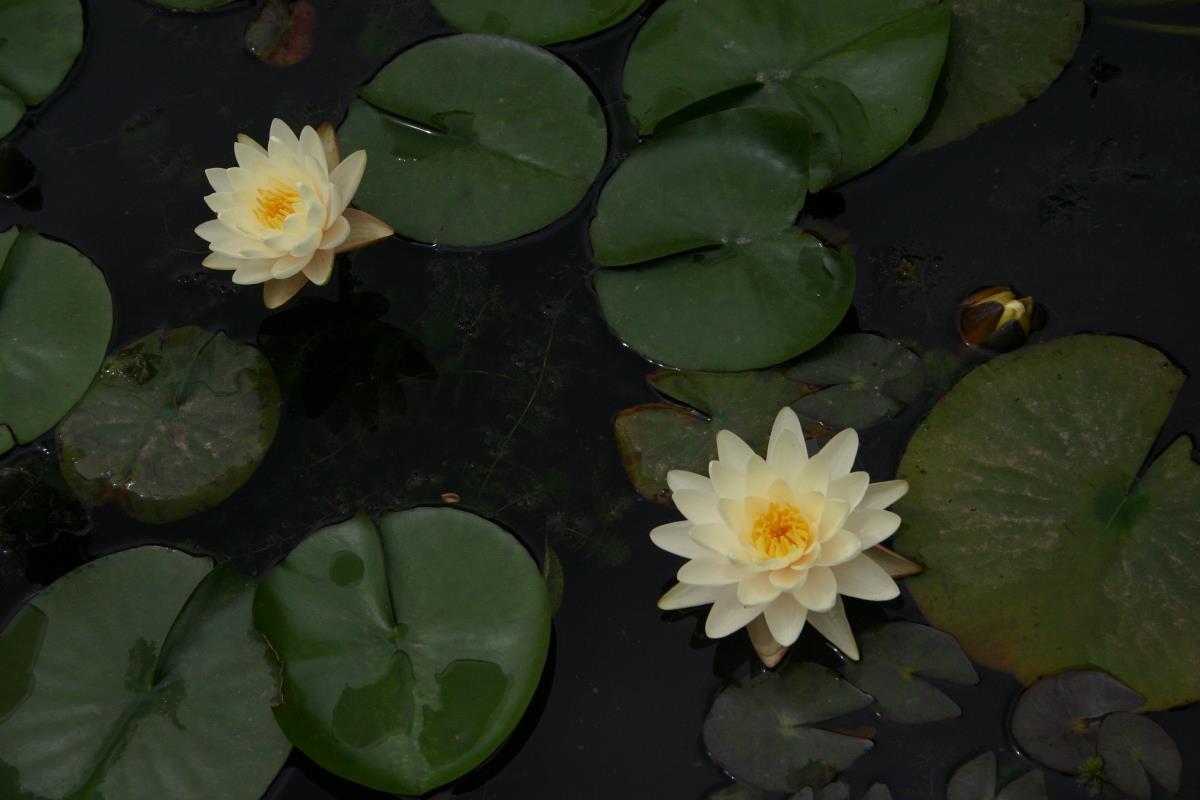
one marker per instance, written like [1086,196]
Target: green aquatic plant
[40,42]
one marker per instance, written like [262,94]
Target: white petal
[786,454]
[716,538]
[785,619]
[220,201]
[675,538]
[833,514]
[683,481]
[329,144]
[364,230]
[882,495]
[308,245]
[253,272]
[872,525]
[287,266]
[834,626]
[732,450]
[282,140]
[699,507]
[841,451]
[813,476]
[681,595]
[733,514]
[759,476]
[218,179]
[756,588]
[728,615]
[727,481]
[850,488]
[838,549]
[213,230]
[320,268]
[276,293]
[311,147]
[819,591]
[785,421]
[249,157]
[347,175]
[709,571]
[219,261]
[866,580]
[335,235]
[787,579]
[248,142]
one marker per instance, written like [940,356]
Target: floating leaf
[1043,548]
[757,730]
[737,791]
[41,40]
[474,140]
[1002,55]
[866,379]
[894,656]
[36,505]
[1056,719]
[536,21]
[139,676]
[733,285]
[976,780]
[1134,749]
[409,654]
[825,59]
[55,322]
[176,422]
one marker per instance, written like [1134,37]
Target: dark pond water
[490,374]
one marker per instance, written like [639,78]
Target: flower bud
[996,319]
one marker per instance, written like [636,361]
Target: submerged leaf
[894,656]
[1134,749]
[281,34]
[758,730]
[36,505]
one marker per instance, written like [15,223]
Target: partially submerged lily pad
[1003,53]
[139,676]
[1047,541]
[976,780]
[862,74]
[841,791]
[411,650]
[895,656]
[55,323]
[1135,749]
[36,505]
[864,380]
[474,140]
[714,274]
[1056,720]
[536,21]
[758,730]
[176,422]
[41,40]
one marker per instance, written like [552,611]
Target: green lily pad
[894,656]
[55,322]
[410,652]
[536,21]
[976,780]
[758,730]
[816,58]
[1135,749]
[41,40]
[733,285]
[140,677]
[865,380]
[1043,547]
[1003,53]
[475,139]
[1056,720]
[176,422]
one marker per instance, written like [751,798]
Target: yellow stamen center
[781,531]
[275,205]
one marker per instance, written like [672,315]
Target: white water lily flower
[780,538]
[282,213]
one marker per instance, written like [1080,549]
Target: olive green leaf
[40,41]
[731,284]
[536,21]
[1046,541]
[835,63]
[55,323]
[139,676]
[895,656]
[176,422]
[410,651]
[1135,749]
[976,780]
[758,729]
[1003,53]
[475,139]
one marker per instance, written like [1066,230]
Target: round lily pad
[139,676]
[1048,540]
[883,56]
[976,780]
[176,422]
[536,21]
[411,650]
[55,323]
[733,285]
[757,730]
[1057,720]
[1002,55]
[41,40]
[1134,749]
[474,140]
